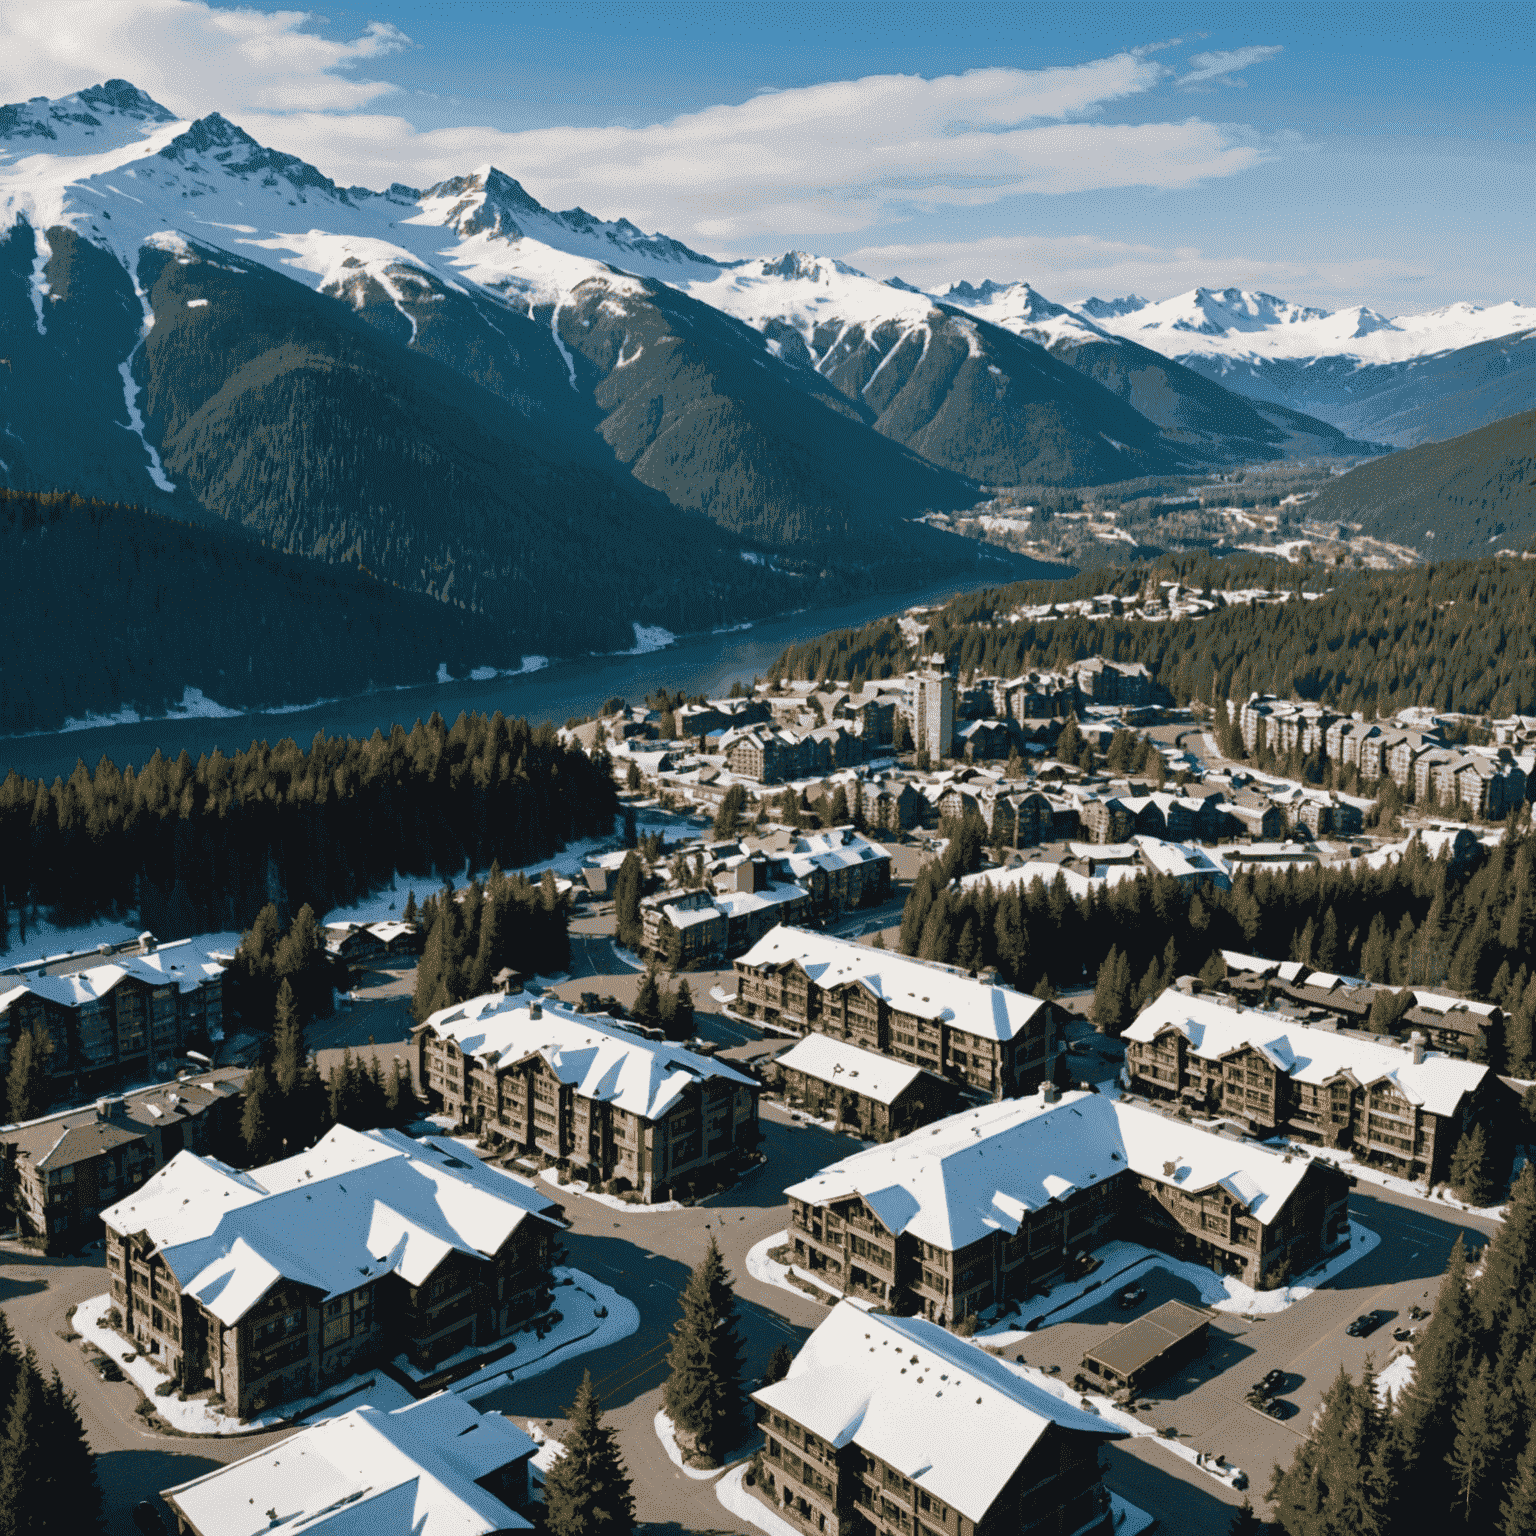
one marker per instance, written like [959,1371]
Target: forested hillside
[111,607]
[1450,636]
[206,845]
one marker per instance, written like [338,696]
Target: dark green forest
[1454,1450]
[206,845]
[1416,923]
[1454,636]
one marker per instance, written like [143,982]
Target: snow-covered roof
[367,1473]
[354,1207]
[909,986]
[983,1169]
[1213,1030]
[1022,875]
[1183,861]
[867,1073]
[643,1077]
[942,1411]
[186,962]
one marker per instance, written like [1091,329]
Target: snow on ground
[1413,1188]
[199,1416]
[1124,1262]
[668,1438]
[628,957]
[649,638]
[1395,1377]
[634,1208]
[745,1505]
[46,938]
[771,1272]
[549,1452]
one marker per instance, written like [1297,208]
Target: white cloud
[1070,268]
[189,56]
[1222,67]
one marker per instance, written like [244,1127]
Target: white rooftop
[941,1411]
[643,1077]
[910,986]
[981,1170]
[867,1073]
[355,1207]
[186,962]
[1437,1084]
[412,1472]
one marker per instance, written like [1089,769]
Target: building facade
[869,1094]
[933,708]
[987,1038]
[585,1093]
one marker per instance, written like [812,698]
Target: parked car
[1132,1295]
[1364,1325]
[1271,1383]
[108,1371]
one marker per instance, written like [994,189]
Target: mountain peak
[214,138]
[1104,309]
[100,117]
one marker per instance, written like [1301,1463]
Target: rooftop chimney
[109,1108]
[535,1010]
[1416,1048]
[1049,1093]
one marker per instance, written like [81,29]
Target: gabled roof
[1438,1083]
[910,986]
[367,1473]
[941,1411]
[602,1061]
[356,1206]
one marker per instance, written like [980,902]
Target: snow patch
[732,1492]
[442,672]
[197,303]
[135,422]
[668,1437]
[570,362]
[41,252]
[613,1202]
[1395,1378]
[649,638]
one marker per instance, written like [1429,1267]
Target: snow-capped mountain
[1400,379]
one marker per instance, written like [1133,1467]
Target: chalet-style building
[122,1012]
[437,1467]
[69,1167]
[1404,1107]
[269,1285]
[894,1427]
[869,1094]
[362,943]
[994,1203]
[988,1038]
[1113,682]
[841,870]
[586,1092]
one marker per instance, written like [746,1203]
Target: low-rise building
[269,1285]
[120,1012]
[437,1467]
[872,1095]
[358,943]
[583,1091]
[1406,1108]
[71,1166]
[893,1426]
[987,1037]
[841,870]
[994,1204]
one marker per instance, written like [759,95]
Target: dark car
[1131,1295]
[147,1518]
[108,1371]
[1271,1384]
[1364,1325]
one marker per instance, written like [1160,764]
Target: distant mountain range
[568,427]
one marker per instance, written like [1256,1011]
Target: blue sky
[1337,154]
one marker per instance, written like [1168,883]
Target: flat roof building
[1151,1347]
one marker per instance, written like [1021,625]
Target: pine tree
[1244,1522]
[27,1081]
[626,901]
[26,1480]
[482,970]
[647,1008]
[1517,1514]
[703,1396]
[681,1023]
[259,1128]
[1111,995]
[1479,1457]
[1509,1263]
[76,1495]
[408,912]
[1471,1171]
[586,1491]
[779,1362]
[1375,957]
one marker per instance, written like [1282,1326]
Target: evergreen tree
[779,1362]
[1471,1171]
[626,901]
[703,1395]
[586,1491]
[1480,1452]
[1509,1262]
[647,1008]
[26,1082]
[1244,1522]
[76,1497]
[408,912]
[28,1485]
[487,959]
[1112,995]
[259,1117]
[728,818]
[1517,1514]
[681,1023]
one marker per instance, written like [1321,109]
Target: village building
[998,1203]
[588,1094]
[437,1467]
[120,1012]
[870,1095]
[69,1167]
[990,1039]
[1405,1108]
[894,1427]
[269,1285]
[1113,682]
[359,943]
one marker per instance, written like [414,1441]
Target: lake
[696,664]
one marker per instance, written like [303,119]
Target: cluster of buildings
[1398,1104]
[1157,602]
[119,1012]
[267,1286]
[1490,783]
[361,943]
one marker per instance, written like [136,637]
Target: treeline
[472,934]
[1454,636]
[1455,1450]
[1417,923]
[48,1483]
[206,845]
